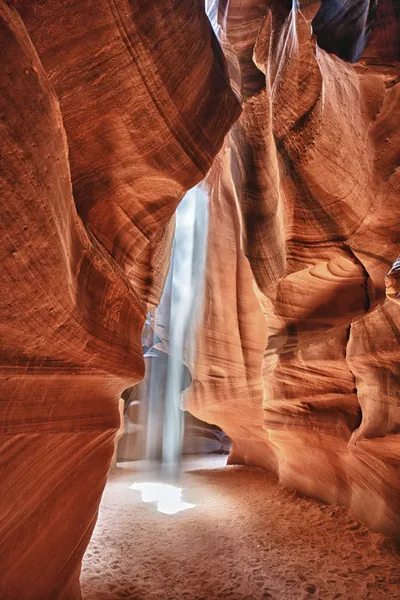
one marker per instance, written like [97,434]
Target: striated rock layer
[109,112]
[298,355]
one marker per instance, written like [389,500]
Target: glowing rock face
[104,130]
[168,497]
[298,355]
[93,167]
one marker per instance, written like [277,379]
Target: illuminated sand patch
[168,497]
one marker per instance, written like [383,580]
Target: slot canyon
[200,299]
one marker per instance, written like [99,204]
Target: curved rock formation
[109,111]
[106,118]
[300,362]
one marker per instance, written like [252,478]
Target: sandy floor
[246,539]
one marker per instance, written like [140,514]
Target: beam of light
[168,497]
[176,321]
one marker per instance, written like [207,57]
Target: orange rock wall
[298,356]
[109,112]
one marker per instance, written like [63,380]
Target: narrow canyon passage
[200,253]
[246,538]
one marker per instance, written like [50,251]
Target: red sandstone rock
[299,351]
[109,111]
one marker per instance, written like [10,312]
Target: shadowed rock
[109,111]
[299,349]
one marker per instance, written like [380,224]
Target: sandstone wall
[109,112]
[299,349]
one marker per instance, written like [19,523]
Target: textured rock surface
[109,112]
[299,350]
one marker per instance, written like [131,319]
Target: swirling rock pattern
[298,355]
[109,112]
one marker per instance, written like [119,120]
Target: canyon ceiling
[110,110]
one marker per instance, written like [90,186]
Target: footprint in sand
[310,590]
[267,594]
